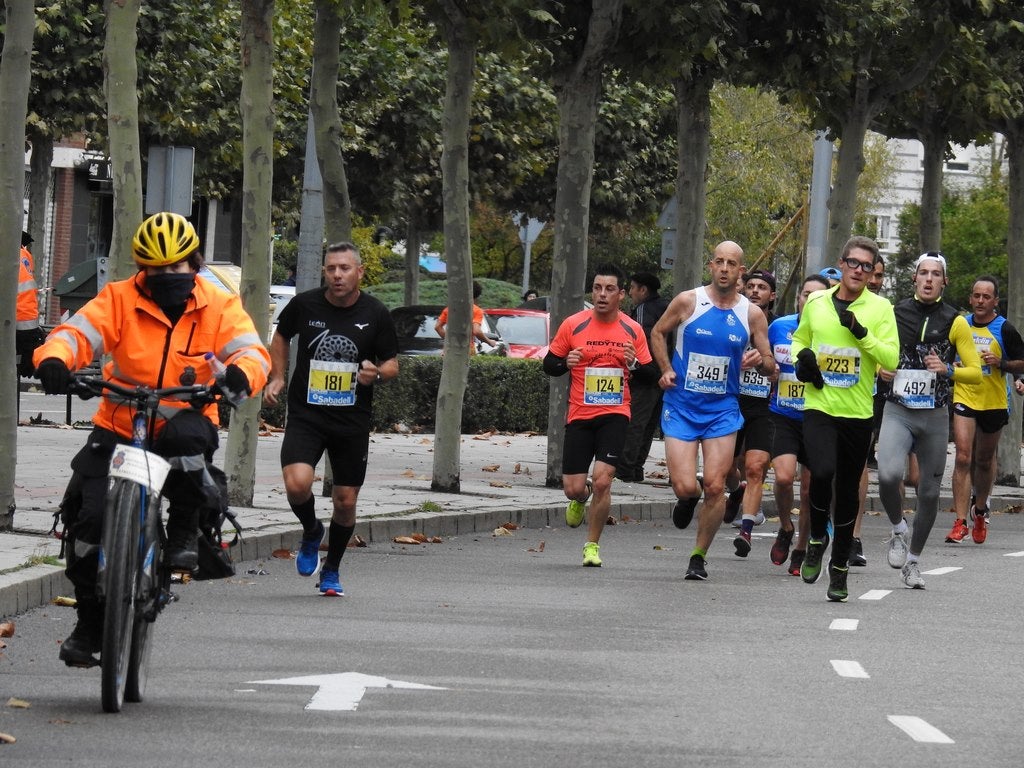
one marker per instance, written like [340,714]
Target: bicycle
[133,581]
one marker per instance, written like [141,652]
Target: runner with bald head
[713,325]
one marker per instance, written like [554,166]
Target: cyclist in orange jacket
[156,327]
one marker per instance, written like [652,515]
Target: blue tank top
[708,351]
[788,394]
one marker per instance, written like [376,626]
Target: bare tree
[15,74]
[257,179]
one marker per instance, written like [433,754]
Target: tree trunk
[578,92]
[934,141]
[15,75]
[693,99]
[455,199]
[1008,468]
[327,120]
[120,84]
[849,164]
[257,180]
[40,179]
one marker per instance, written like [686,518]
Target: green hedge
[504,394]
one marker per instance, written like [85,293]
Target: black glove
[807,369]
[54,376]
[236,380]
[849,320]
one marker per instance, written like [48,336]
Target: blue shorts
[691,427]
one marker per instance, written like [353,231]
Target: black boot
[86,639]
[182,536]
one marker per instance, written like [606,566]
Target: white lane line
[919,730]
[1014,554]
[874,594]
[846,668]
[847,624]
[942,571]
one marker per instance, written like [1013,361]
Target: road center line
[847,624]
[943,571]
[919,730]
[874,594]
[845,668]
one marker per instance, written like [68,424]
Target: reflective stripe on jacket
[27,315]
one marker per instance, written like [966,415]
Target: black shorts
[599,438]
[788,438]
[306,441]
[757,433]
[989,422]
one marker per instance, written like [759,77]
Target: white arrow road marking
[343,691]
[874,594]
[849,668]
[919,730]
[1014,554]
[942,571]
[848,624]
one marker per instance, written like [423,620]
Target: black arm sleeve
[1014,349]
[554,365]
[649,373]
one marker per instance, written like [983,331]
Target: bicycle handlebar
[86,386]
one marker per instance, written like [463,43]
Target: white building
[968,167]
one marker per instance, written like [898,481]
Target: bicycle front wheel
[123,515]
[150,586]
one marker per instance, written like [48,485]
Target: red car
[525,331]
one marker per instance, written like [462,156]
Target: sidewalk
[503,480]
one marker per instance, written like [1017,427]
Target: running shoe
[857,553]
[696,571]
[307,559]
[795,561]
[734,502]
[576,511]
[958,533]
[979,528]
[742,543]
[810,569]
[897,552]
[837,591]
[592,554]
[683,511]
[329,585]
[911,575]
[780,549]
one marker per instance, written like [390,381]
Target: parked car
[416,335]
[525,331]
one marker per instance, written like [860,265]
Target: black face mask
[171,289]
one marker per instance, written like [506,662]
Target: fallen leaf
[7,629]
[627,519]
[18,703]
[517,469]
[419,537]
[499,484]
[435,540]
[357,541]
[408,473]
[66,601]
[2,645]
[6,738]
[425,441]
[491,468]
[405,540]
[538,548]
[502,532]
[611,520]
[484,436]
[510,526]
[282,554]
[60,721]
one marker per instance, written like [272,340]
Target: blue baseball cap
[831,273]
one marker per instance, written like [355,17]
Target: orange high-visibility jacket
[127,324]
[28,303]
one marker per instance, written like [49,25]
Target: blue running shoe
[329,584]
[307,559]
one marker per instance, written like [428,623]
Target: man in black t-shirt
[347,343]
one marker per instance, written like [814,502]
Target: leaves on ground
[510,526]
[283,554]
[538,548]
[502,532]
[68,602]
[18,703]
[7,629]
[499,484]
[6,738]
[357,541]
[491,468]
[406,540]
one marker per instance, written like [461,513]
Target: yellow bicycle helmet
[162,239]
